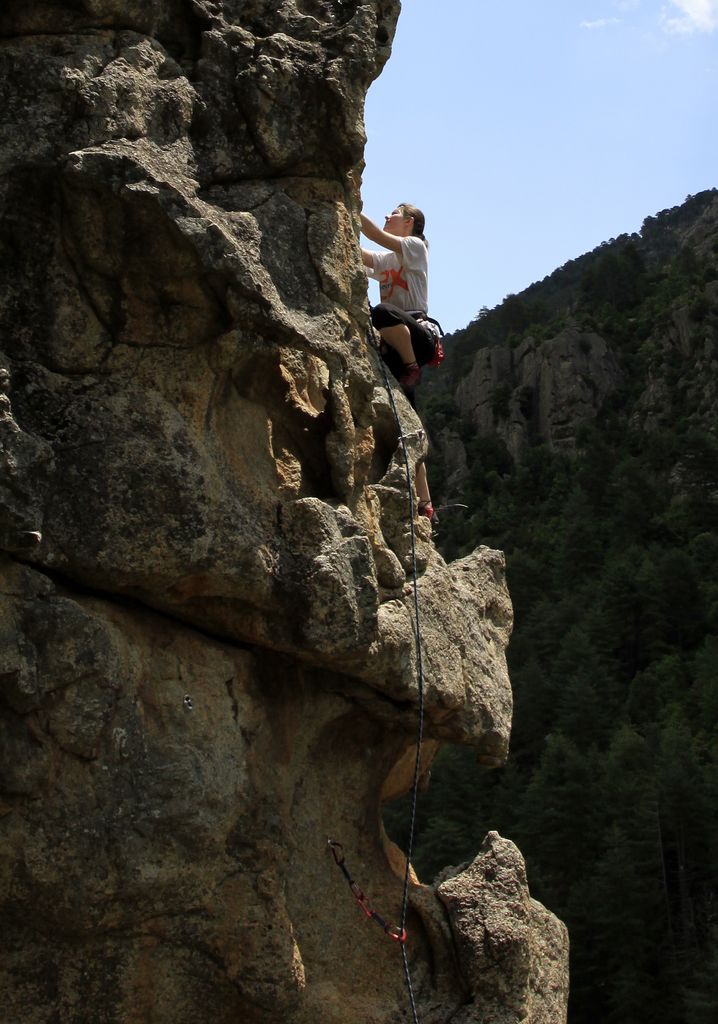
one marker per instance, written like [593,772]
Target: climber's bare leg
[422,484]
[399,338]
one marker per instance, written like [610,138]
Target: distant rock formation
[541,390]
[696,343]
[208,660]
[525,386]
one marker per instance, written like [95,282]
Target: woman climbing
[403,274]
[408,338]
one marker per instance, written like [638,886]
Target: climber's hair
[419,220]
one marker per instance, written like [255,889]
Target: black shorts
[422,338]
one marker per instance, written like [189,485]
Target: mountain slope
[578,423]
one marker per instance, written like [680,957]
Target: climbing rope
[394,932]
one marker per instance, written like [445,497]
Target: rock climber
[408,339]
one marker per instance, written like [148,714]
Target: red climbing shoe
[427,509]
[411,375]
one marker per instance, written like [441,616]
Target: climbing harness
[438,357]
[394,932]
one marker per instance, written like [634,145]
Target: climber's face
[397,223]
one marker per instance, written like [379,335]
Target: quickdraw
[398,934]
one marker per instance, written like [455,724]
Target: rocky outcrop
[511,946]
[208,660]
[541,390]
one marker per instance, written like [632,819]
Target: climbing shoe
[427,509]
[410,376]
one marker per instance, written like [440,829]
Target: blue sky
[531,132]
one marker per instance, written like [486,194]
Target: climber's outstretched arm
[372,231]
[375,234]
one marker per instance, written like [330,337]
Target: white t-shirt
[403,278]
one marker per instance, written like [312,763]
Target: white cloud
[601,23]
[696,16]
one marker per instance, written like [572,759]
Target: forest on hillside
[611,787]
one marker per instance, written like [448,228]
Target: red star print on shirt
[390,281]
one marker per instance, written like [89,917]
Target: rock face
[694,341]
[508,943]
[208,661]
[541,390]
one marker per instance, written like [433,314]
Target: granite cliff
[208,659]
